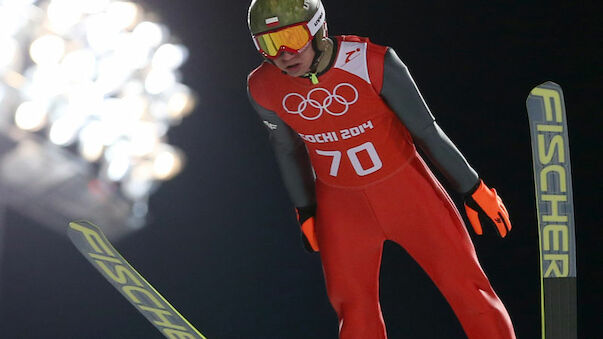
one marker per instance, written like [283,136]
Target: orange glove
[484,201]
[305,216]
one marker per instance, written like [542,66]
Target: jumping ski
[92,243]
[555,209]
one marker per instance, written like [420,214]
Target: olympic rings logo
[320,106]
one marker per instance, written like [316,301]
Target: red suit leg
[350,247]
[412,209]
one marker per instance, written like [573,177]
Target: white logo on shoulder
[320,100]
[351,55]
[352,59]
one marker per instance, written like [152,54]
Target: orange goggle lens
[290,39]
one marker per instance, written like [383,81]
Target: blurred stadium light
[88,91]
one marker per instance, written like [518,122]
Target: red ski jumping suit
[371,185]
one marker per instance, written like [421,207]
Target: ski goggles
[290,38]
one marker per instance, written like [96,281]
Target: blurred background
[134,115]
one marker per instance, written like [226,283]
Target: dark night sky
[222,243]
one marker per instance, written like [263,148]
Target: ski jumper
[356,130]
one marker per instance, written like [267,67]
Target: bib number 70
[352,154]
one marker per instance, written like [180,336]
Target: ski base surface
[555,209]
[92,243]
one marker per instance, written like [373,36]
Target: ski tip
[547,85]
[77,225]
[81,223]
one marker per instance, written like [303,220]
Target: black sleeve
[291,156]
[403,97]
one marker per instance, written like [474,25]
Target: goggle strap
[255,42]
[317,20]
